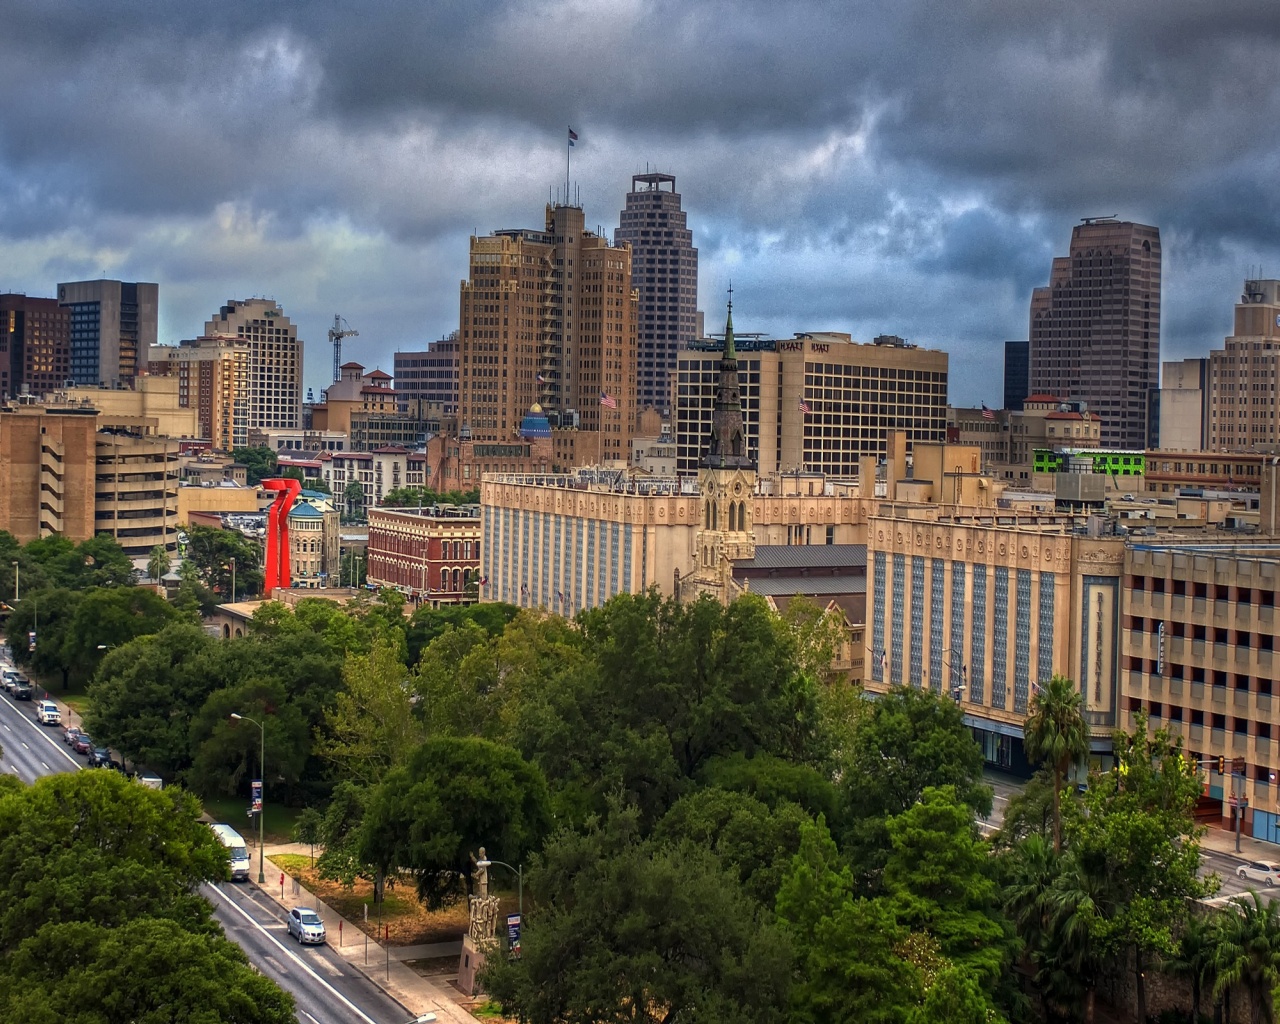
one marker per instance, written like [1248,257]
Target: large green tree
[913,739]
[454,796]
[625,930]
[212,550]
[147,971]
[1248,953]
[1138,842]
[260,462]
[1056,734]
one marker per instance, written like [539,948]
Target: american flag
[559,596]
[804,407]
[987,414]
[523,589]
[573,136]
[608,401]
[541,379]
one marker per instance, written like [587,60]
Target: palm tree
[1057,735]
[1249,953]
[1194,958]
[1073,954]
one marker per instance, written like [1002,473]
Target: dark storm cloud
[913,165]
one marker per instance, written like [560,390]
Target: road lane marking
[41,733]
[46,767]
[25,747]
[313,1020]
[298,960]
[15,769]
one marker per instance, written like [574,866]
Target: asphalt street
[327,990]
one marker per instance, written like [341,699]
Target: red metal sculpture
[277,568]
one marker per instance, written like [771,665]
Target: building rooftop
[810,586]
[805,556]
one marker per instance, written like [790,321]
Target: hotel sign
[820,347]
[500,451]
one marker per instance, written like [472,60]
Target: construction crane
[340,329]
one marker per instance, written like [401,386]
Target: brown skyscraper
[1095,330]
[35,345]
[549,318]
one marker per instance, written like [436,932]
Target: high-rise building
[35,345]
[1017,374]
[430,376]
[48,455]
[664,272]
[113,326]
[549,318]
[1242,374]
[818,402]
[1184,406]
[213,378]
[1095,330]
[275,360]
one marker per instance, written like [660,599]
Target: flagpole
[568,147]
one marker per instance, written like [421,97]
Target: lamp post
[233,580]
[957,691]
[519,873]
[262,771]
[16,597]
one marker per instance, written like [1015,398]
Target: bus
[236,850]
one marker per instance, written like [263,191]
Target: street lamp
[262,771]
[519,872]
[957,690]
[233,581]
[15,581]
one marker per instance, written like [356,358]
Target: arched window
[733,516]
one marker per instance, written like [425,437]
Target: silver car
[1264,871]
[305,925]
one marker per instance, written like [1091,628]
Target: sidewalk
[1219,840]
[385,969]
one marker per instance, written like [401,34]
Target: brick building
[431,555]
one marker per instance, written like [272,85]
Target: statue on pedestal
[484,909]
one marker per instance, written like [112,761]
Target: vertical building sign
[1160,649]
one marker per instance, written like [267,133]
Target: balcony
[1197,692]
[1244,614]
[1195,734]
[1262,745]
[1139,602]
[1264,661]
[1197,649]
[1100,719]
[1219,694]
[1175,688]
[1218,737]
[1267,616]
[1222,615]
[1263,703]
[1240,742]
[1178,606]
[1220,654]
[1199,607]
[1156,685]
[1242,655]
[1240,698]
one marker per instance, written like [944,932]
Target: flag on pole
[523,589]
[573,136]
[541,379]
[608,401]
[559,596]
[804,407]
[484,581]
[987,414]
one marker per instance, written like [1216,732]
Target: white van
[47,713]
[236,850]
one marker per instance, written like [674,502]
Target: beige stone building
[1184,405]
[213,375]
[217,499]
[1242,375]
[549,318]
[818,402]
[136,491]
[275,360]
[313,541]
[48,459]
[151,407]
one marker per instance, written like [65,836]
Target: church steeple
[728,435]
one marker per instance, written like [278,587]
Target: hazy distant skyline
[852,166]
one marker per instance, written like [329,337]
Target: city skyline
[842,184]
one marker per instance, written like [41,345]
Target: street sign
[256,805]
[513,935]
[1237,765]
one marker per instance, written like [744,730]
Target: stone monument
[482,926]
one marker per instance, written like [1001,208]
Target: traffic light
[1222,765]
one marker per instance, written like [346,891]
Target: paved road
[327,990]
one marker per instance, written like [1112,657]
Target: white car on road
[1264,871]
[306,926]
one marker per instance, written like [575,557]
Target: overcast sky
[906,168]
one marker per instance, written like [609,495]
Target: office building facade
[431,555]
[35,345]
[430,376]
[113,326]
[664,273]
[1095,329]
[818,402]
[274,388]
[549,318]
[213,376]
[1242,374]
[1017,374]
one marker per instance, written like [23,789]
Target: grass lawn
[278,822]
[409,923]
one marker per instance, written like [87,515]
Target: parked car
[83,744]
[70,733]
[305,925]
[1264,871]
[99,757]
[22,690]
[47,713]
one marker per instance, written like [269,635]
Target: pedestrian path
[383,965]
